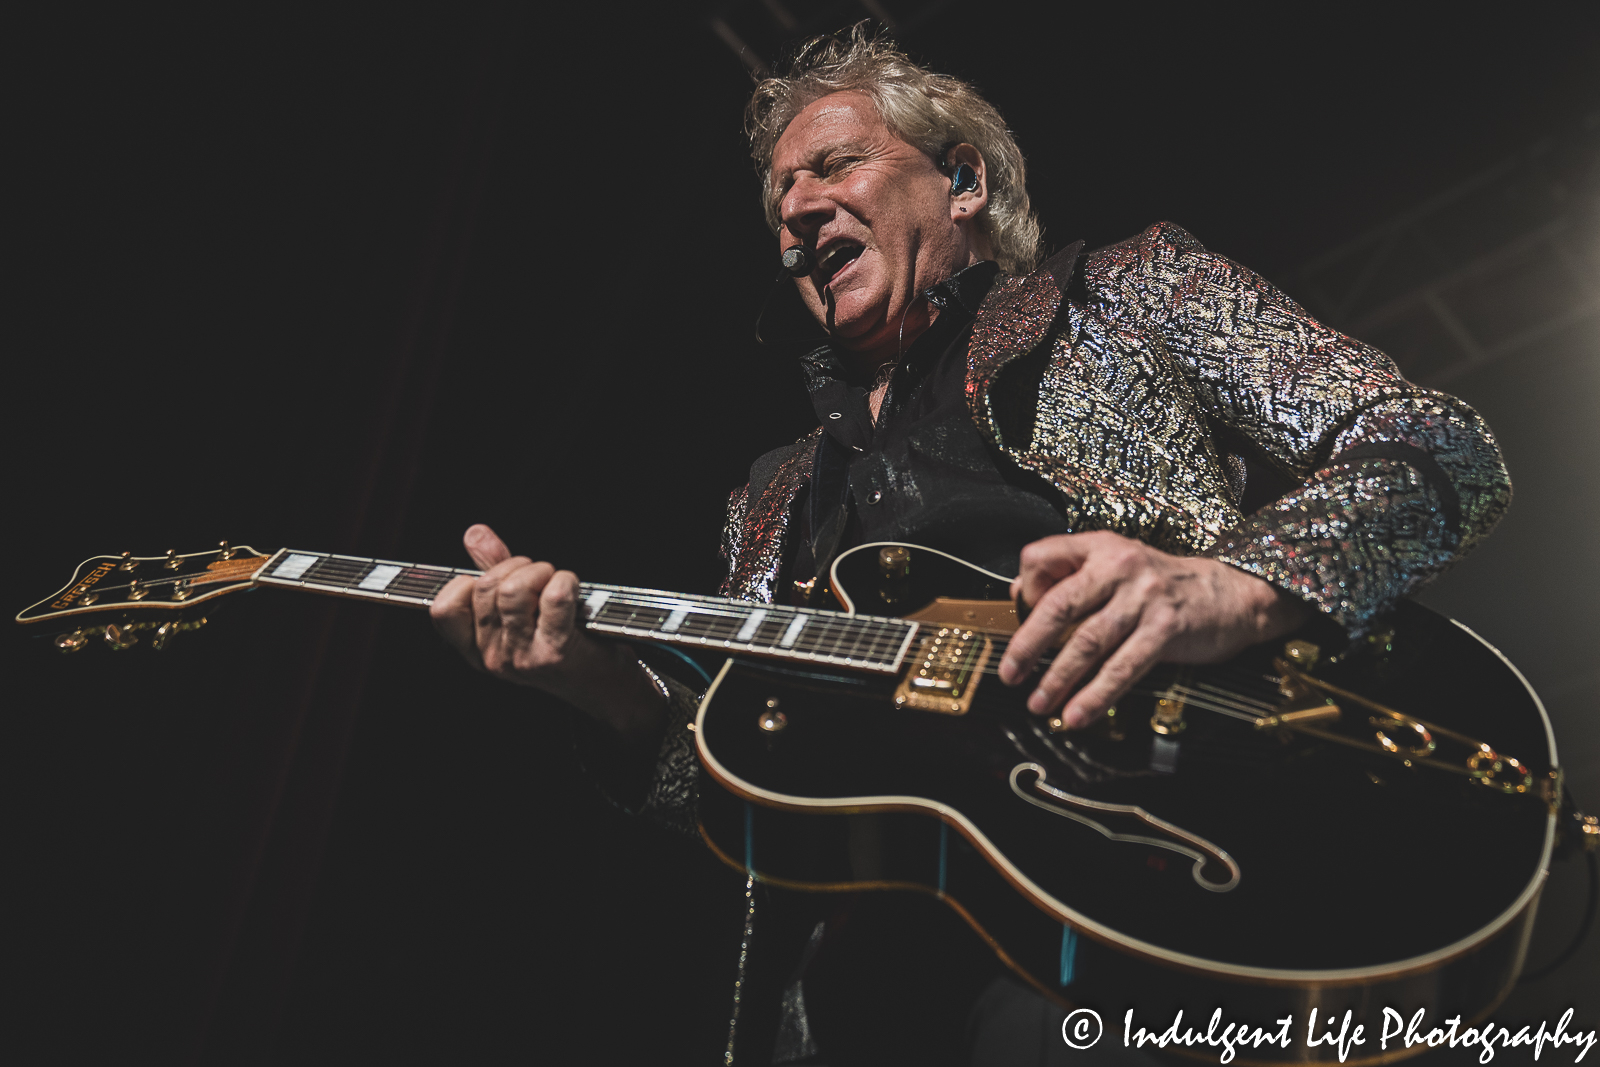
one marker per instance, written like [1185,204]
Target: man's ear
[966,204]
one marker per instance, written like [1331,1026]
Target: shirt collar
[958,298]
[965,289]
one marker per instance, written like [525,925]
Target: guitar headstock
[162,589]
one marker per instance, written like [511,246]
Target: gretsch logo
[82,587]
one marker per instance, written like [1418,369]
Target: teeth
[836,258]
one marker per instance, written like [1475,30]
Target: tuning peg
[173,562]
[138,590]
[168,630]
[73,642]
[120,637]
[227,550]
[128,562]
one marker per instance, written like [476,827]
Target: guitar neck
[858,642]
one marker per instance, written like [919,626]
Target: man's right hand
[519,622]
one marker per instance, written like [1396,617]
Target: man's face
[876,211]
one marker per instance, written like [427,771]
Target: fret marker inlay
[751,625]
[380,577]
[870,644]
[293,566]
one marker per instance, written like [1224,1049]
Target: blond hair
[932,112]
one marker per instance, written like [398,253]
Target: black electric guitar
[1299,828]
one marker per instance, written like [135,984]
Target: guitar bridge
[945,672]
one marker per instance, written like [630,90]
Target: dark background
[352,282]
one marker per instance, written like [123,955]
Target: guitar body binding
[1284,832]
[1259,869]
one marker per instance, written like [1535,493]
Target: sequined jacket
[1136,379]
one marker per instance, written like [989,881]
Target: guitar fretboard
[857,641]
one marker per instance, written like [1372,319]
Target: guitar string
[827,634]
[349,572]
[875,628]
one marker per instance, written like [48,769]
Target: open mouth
[837,258]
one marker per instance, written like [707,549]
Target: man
[1086,425]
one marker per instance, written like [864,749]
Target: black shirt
[923,473]
[897,975]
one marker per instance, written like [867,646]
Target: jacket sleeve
[659,784]
[1395,481]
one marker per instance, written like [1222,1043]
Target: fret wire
[324,570]
[829,629]
[825,634]
[701,621]
[410,589]
[870,635]
[892,642]
[667,604]
[856,638]
[417,585]
[714,627]
[717,629]
[769,631]
[352,581]
[894,637]
[336,568]
[854,651]
[829,649]
[358,566]
[829,622]
[716,605]
[412,581]
[818,639]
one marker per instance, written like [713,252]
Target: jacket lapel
[759,523]
[1014,320]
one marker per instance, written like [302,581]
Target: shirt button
[875,496]
[835,414]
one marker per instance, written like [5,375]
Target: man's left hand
[1133,606]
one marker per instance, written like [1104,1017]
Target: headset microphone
[797,261]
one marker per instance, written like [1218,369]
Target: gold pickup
[945,671]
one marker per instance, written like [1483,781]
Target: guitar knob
[894,561]
[772,720]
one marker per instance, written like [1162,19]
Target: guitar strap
[826,539]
